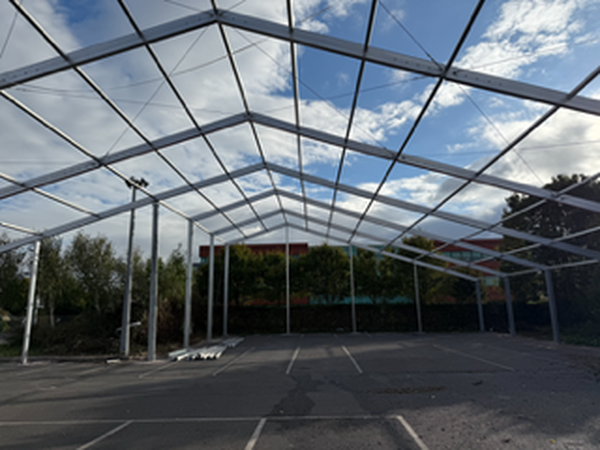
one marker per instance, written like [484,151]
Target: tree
[271,286]
[94,266]
[244,275]
[56,285]
[325,273]
[13,284]
[398,276]
[369,276]
[577,289]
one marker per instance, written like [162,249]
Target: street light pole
[126,318]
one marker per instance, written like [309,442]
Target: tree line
[85,280]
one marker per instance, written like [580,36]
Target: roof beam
[409,248]
[408,63]
[106,49]
[165,195]
[382,222]
[427,164]
[113,158]
[456,218]
[297,36]
[427,235]
[391,255]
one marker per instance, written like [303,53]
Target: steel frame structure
[363,53]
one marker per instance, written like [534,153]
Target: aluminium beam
[211,289]
[286,33]
[138,150]
[106,49]
[377,221]
[30,302]
[425,163]
[374,239]
[258,234]
[456,218]
[479,306]
[402,246]
[417,299]
[226,291]
[408,63]
[187,320]
[153,302]
[255,198]
[165,195]
[552,306]
[249,221]
[406,259]
[427,235]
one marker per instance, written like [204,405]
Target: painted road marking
[412,433]
[232,361]
[294,356]
[352,359]
[252,442]
[164,420]
[158,369]
[105,435]
[487,361]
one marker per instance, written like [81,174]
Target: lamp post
[125,323]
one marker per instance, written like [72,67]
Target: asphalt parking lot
[381,391]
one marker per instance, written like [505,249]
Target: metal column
[287,281]
[479,306]
[153,307]
[418,301]
[187,325]
[509,308]
[552,305]
[211,289]
[30,302]
[226,291]
[353,302]
[126,318]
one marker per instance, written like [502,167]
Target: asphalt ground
[381,391]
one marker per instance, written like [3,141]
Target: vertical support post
[187,324]
[552,305]
[288,326]
[418,301]
[126,315]
[153,312]
[352,296]
[479,306]
[211,289]
[226,292]
[509,309]
[30,302]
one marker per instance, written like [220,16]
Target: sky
[549,43]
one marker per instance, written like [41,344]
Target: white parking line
[352,359]
[105,435]
[90,371]
[158,369]
[487,361]
[252,442]
[232,361]
[412,433]
[294,356]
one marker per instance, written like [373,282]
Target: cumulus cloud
[202,73]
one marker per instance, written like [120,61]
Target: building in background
[259,249]
[491,284]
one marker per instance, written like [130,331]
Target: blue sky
[550,43]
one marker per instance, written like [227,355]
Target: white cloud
[204,78]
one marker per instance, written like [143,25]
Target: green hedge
[380,318]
